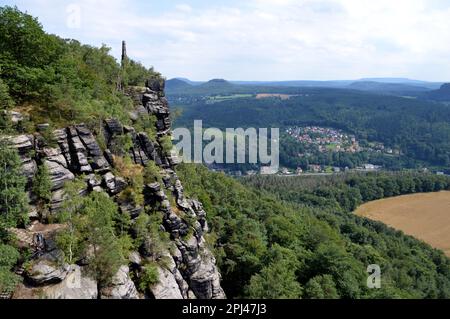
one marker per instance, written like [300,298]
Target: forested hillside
[57,80]
[348,191]
[419,128]
[276,242]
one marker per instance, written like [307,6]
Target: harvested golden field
[424,216]
[268,95]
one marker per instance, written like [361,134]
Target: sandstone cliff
[189,271]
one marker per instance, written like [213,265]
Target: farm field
[268,95]
[424,216]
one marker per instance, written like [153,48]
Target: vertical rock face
[192,267]
[122,287]
[189,270]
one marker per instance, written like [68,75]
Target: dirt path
[424,216]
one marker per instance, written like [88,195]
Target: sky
[263,40]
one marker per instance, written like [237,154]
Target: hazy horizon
[263,40]
[378,79]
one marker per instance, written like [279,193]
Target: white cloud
[270,39]
[184,7]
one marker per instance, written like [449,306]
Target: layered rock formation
[189,270]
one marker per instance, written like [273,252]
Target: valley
[393,132]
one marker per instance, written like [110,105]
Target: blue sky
[263,39]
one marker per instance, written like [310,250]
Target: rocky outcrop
[15,117]
[122,287]
[49,268]
[189,271]
[23,143]
[94,154]
[58,174]
[75,285]
[114,184]
[205,281]
[171,284]
[167,286]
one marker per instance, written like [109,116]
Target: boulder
[201,271]
[76,144]
[58,174]
[74,286]
[135,258]
[158,108]
[16,117]
[114,127]
[47,269]
[198,208]
[93,181]
[88,140]
[122,287]
[109,180]
[150,96]
[155,84]
[23,143]
[114,184]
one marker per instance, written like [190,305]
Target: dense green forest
[57,80]
[419,128]
[347,191]
[313,247]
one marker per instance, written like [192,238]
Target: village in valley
[318,139]
[325,139]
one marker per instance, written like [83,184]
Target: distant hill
[388,88]
[430,85]
[301,83]
[190,82]
[442,94]
[177,84]
[217,83]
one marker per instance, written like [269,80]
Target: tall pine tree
[13,199]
